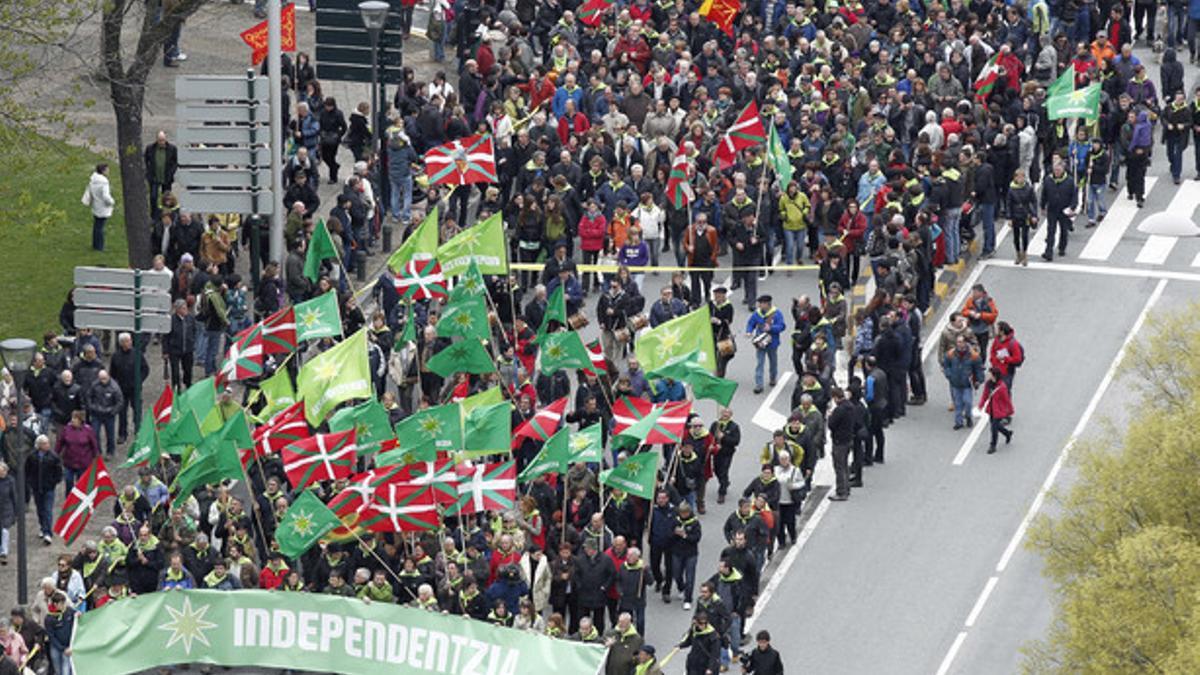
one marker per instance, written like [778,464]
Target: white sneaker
[687,606]
[181,57]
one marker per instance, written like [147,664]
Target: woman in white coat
[99,196]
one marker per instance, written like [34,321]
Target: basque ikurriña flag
[466,160]
[92,488]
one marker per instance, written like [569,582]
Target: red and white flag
[486,487]
[286,427]
[162,407]
[400,507]
[747,131]
[461,162]
[543,424]
[92,488]
[318,458]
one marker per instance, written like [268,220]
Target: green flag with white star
[677,338]
[370,422]
[637,475]
[554,457]
[421,244]
[587,445]
[278,390]
[469,284]
[305,522]
[779,158]
[1082,103]
[482,243]
[426,432]
[563,350]
[466,317]
[487,430]
[464,356]
[319,317]
[340,374]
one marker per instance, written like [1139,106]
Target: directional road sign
[227,201]
[155,301]
[116,278]
[102,319]
[218,88]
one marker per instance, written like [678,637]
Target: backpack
[1021,362]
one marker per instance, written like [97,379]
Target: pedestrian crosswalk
[1117,240]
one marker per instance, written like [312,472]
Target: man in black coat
[705,644]
[893,359]
[594,573]
[122,368]
[763,659]
[841,430]
[39,384]
[1058,204]
[179,346]
[162,160]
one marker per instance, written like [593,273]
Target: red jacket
[995,400]
[1006,353]
[77,446]
[269,579]
[852,231]
[592,231]
[576,126]
[614,590]
[500,559]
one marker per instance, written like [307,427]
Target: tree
[127,91]
[34,34]
[1124,549]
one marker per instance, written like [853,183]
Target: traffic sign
[224,178]
[328,17]
[221,88]
[98,298]
[240,156]
[357,57]
[359,39]
[261,202]
[117,278]
[222,112]
[102,319]
[222,135]
[342,73]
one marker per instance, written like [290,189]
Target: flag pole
[353,532]
[763,186]
[254,504]
[566,497]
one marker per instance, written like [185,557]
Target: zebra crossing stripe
[1110,230]
[1158,247]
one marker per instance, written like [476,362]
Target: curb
[944,285]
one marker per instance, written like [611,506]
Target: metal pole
[275,75]
[22,456]
[137,348]
[381,157]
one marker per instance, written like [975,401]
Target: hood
[98,178]
[1169,56]
[1143,117]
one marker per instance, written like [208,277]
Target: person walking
[162,160]
[1022,214]
[98,196]
[685,552]
[763,328]
[1058,205]
[1006,353]
[121,368]
[981,313]
[43,473]
[180,345]
[77,446]
[8,509]
[963,369]
[997,405]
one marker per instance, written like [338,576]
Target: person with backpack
[1006,353]
[997,405]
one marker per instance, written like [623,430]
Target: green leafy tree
[1123,549]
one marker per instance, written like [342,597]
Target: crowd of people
[897,154]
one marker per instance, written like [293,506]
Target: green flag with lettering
[482,243]
[303,524]
[1082,103]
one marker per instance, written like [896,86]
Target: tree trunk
[127,104]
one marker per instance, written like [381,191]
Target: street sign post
[138,301]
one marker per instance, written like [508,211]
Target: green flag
[320,248]
[182,434]
[483,243]
[215,459]
[428,431]
[319,317]
[587,445]
[554,457]
[563,349]
[676,338]
[1083,103]
[704,384]
[422,244]
[410,330]
[370,422]
[469,284]
[200,399]
[488,430]
[636,433]
[637,475]
[278,390]
[779,158]
[488,396]
[306,521]
[145,448]
[464,356]
[1065,83]
[340,374]
[556,310]
[466,317]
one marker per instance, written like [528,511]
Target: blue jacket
[310,132]
[662,525]
[771,322]
[664,392]
[611,196]
[59,627]
[1194,9]
[561,96]
[962,370]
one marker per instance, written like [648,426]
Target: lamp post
[17,355]
[374,14]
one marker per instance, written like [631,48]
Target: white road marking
[1156,249]
[972,438]
[767,418]
[1105,271]
[1037,239]
[781,572]
[1040,499]
[1110,230]
[1196,261]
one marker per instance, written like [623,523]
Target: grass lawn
[45,231]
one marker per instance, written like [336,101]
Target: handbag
[761,340]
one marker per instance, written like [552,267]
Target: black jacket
[171,165]
[841,423]
[43,473]
[182,338]
[593,576]
[1058,193]
[705,654]
[985,184]
[40,387]
[65,399]
[121,369]
[763,662]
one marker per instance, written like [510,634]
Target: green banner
[310,632]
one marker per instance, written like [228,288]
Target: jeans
[793,245]
[201,347]
[60,661]
[685,575]
[950,231]
[962,404]
[402,189]
[1175,155]
[1118,159]
[107,424]
[98,224]
[44,501]
[439,47]
[1095,207]
[655,246]
[1081,31]
[212,344]
[4,541]
[987,217]
[761,355]
[1177,25]
[749,286]
[677,246]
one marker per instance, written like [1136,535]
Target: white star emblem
[310,317]
[326,371]
[187,625]
[670,339]
[302,523]
[580,443]
[432,426]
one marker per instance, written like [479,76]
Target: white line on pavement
[1156,250]
[1040,499]
[1196,261]
[1103,270]
[1110,230]
[767,418]
[788,560]
[972,438]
